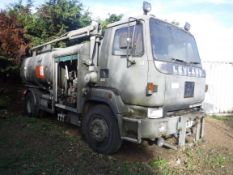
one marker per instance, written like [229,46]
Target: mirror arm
[130,62]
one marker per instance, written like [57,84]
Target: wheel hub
[98,129]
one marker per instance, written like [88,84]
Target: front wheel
[101,130]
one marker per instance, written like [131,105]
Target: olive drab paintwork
[105,69]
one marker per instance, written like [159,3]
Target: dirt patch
[73,131]
[142,152]
[219,134]
[214,155]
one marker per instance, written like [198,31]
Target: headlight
[155,112]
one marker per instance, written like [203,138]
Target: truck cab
[141,80]
[156,69]
[160,56]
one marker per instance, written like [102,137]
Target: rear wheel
[101,131]
[31,105]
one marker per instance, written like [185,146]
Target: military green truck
[141,79]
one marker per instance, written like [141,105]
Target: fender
[108,97]
[35,94]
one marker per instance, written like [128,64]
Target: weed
[162,166]
[189,162]
[218,160]
[200,152]
[215,160]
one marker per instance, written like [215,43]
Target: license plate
[189,124]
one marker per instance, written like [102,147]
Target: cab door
[127,62]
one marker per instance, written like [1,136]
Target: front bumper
[179,126]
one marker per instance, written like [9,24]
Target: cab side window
[134,43]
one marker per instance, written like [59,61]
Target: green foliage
[111,19]
[50,20]
[57,17]
[23,13]
[8,68]
[53,18]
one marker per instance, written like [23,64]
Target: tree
[56,17]
[111,19]
[24,17]
[12,41]
[21,29]
[13,45]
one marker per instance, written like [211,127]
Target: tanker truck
[140,80]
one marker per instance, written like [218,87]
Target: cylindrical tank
[38,70]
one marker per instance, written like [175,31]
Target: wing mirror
[124,45]
[124,41]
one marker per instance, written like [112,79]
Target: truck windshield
[169,43]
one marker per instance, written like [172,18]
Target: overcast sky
[211,20]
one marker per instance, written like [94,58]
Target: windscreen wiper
[194,62]
[178,60]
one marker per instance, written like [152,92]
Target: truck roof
[143,17]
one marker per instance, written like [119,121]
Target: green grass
[189,163]
[4,101]
[215,160]
[222,118]
[42,146]
[161,166]
[32,146]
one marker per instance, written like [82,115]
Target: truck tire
[101,131]
[31,105]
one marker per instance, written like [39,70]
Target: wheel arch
[35,93]
[94,102]
[104,96]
